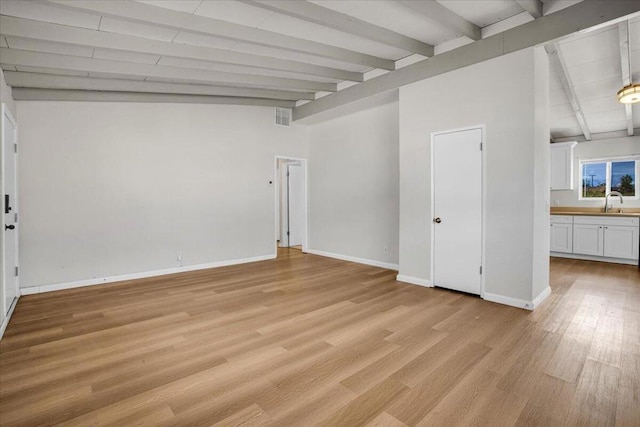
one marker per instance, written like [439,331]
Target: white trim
[520,303]
[6,320]
[514,302]
[99,281]
[414,281]
[595,258]
[570,144]
[483,130]
[276,180]
[540,298]
[7,111]
[365,261]
[609,158]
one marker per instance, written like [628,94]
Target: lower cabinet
[588,239]
[612,238]
[621,242]
[561,237]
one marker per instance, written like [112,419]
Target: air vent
[283,116]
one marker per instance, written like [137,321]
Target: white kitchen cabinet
[598,237]
[588,239]
[562,234]
[621,241]
[562,165]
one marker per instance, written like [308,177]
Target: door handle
[9,227]
[437,220]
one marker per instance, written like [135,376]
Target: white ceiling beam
[625,62]
[326,17]
[553,6]
[533,7]
[595,136]
[53,81]
[575,18]
[27,94]
[557,61]
[182,21]
[440,14]
[27,28]
[92,65]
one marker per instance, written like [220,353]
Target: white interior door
[10,226]
[457,207]
[291,211]
[282,202]
[296,203]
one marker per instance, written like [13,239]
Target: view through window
[603,176]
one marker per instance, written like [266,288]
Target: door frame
[482,128]
[276,194]
[7,113]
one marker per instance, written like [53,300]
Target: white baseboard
[595,258]
[5,322]
[543,296]
[99,281]
[365,261]
[520,303]
[414,281]
[514,302]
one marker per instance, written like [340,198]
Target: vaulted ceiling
[287,53]
[586,72]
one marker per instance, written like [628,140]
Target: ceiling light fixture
[629,94]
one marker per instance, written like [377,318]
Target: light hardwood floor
[305,340]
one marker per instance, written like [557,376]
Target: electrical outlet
[386,250]
[179,256]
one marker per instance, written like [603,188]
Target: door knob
[9,227]
[437,220]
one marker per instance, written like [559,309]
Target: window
[599,177]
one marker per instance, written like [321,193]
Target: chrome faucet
[606,200]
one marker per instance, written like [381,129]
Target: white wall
[541,172]
[353,182]
[503,94]
[110,189]
[594,150]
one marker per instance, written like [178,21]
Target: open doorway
[291,203]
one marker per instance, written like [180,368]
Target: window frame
[608,161]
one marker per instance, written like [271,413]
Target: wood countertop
[580,211]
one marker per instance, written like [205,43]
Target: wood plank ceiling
[286,53]
[595,66]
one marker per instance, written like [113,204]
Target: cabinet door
[562,166]
[621,242]
[561,238]
[588,239]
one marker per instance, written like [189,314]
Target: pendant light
[629,94]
